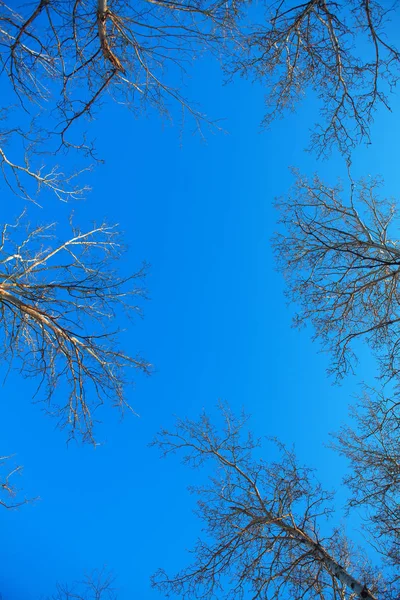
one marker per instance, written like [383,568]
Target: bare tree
[262,536]
[58,302]
[98,585]
[372,449]
[341,265]
[342,51]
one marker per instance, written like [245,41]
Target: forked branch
[8,489]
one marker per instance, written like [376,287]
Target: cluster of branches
[262,520]
[373,453]
[61,58]
[58,303]
[98,585]
[262,524]
[342,268]
[342,51]
[341,262]
[82,49]
[29,176]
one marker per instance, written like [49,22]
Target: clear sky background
[216,326]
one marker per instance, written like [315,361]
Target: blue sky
[216,326]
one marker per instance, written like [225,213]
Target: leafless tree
[262,524]
[342,268]
[99,585]
[371,446]
[58,302]
[340,50]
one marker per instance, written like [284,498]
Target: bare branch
[8,490]
[27,182]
